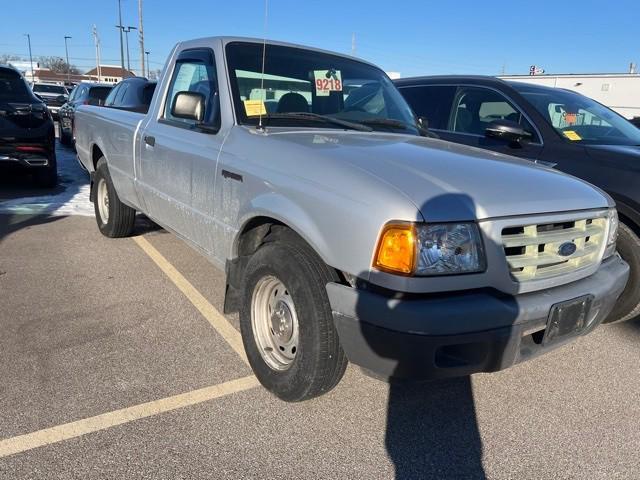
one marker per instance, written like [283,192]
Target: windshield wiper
[321,118]
[397,124]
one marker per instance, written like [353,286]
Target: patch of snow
[71,197]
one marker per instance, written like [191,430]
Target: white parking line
[48,436]
[208,311]
[78,428]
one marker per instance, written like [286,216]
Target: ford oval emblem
[567,249]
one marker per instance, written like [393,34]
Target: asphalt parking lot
[116,363]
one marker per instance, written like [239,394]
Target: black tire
[120,217]
[319,362]
[65,139]
[628,305]
[47,177]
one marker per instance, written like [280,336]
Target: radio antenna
[264,54]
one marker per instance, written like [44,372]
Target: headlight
[613,227]
[430,249]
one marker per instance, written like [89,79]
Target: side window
[119,99]
[432,102]
[475,108]
[109,101]
[195,72]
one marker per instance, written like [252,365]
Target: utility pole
[66,50]
[148,69]
[96,39]
[121,28]
[126,30]
[30,56]
[141,40]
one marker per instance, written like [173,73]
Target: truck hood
[447,181]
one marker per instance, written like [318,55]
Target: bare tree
[57,64]
[6,58]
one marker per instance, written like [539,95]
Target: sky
[413,37]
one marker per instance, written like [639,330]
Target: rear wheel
[114,218]
[47,177]
[286,321]
[628,305]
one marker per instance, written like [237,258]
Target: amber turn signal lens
[396,252]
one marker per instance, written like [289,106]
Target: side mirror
[423,122]
[507,130]
[189,106]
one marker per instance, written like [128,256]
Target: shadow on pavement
[10,223]
[432,430]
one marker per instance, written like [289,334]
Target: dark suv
[27,135]
[551,126]
[84,93]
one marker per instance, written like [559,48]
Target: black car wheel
[286,320]
[114,218]
[47,177]
[628,305]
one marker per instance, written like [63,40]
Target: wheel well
[96,154]
[256,232]
[629,223]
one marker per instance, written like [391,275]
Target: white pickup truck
[345,231]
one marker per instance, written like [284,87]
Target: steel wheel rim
[103,201]
[274,322]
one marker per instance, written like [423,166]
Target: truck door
[178,157]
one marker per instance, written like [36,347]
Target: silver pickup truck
[345,231]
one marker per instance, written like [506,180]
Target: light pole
[30,57]
[121,28]
[126,30]
[147,54]
[66,50]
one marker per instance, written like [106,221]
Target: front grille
[533,251]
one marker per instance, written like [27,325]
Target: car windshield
[578,118]
[13,88]
[308,88]
[59,89]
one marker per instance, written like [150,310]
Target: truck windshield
[304,81]
[578,118]
[44,88]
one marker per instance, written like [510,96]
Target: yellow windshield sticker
[571,135]
[327,81]
[253,108]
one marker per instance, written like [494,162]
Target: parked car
[54,95]
[27,135]
[85,93]
[556,127]
[134,94]
[344,233]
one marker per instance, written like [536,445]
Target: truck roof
[229,39]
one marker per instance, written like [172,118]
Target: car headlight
[430,249]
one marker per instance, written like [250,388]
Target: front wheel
[114,218]
[286,322]
[628,305]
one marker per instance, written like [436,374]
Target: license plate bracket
[567,319]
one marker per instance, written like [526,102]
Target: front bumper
[456,334]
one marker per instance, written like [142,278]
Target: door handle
[149,140]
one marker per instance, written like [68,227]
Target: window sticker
[327,81]
[571,135]
[253,108]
